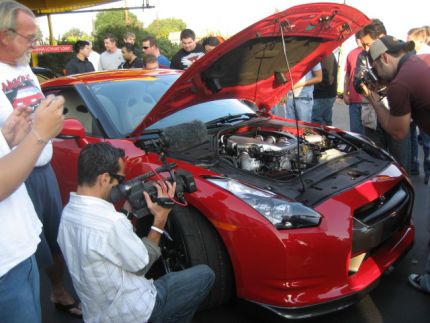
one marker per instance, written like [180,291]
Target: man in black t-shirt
[80,63]
[190,52]
[325,92]
[130,58]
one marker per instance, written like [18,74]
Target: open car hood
[252,64]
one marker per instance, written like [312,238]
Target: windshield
[127,102]
[204,112]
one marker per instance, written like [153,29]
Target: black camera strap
[128,214]
[164,202]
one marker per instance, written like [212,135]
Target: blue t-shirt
[306,91]
[163,61]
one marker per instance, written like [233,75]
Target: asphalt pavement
[392,301]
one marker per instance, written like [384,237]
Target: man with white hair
[20,89]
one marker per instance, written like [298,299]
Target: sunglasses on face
[118,177]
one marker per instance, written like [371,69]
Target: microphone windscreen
[184,136]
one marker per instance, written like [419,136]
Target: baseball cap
[390,45]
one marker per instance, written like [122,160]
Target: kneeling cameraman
[408,94]
[107,260]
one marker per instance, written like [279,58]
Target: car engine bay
[280,154]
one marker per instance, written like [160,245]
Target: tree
[113,22]
[161,28]
[167,48]
[116,18]
[73,35]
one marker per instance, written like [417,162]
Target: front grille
[376,221]
[396,201]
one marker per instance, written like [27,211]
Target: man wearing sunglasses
[108,261]
[150,47]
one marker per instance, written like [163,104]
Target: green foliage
[113,22]
[116,18]
[118,32]
[73,35]
[167,48]
[161,28]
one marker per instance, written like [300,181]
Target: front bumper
[305,312]
[359,284]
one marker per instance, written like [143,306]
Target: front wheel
[195,241]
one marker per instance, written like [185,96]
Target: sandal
[69,308]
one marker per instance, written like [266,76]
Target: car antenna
[283,25]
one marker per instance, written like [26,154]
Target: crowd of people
[111,282]
[128,56]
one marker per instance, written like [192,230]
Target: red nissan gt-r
[294,217]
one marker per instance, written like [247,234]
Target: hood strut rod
[281,26]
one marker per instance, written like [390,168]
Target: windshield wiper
[229,119]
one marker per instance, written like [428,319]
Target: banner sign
[52,49]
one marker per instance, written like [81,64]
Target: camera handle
[166,167]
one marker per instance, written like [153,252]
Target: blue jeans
[43,190]
[426,149]
[180,293]
[322,111]
[304,109]
[415,164]
[279,110]
[20,293]
[399,149]
[355,118]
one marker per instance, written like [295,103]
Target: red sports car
[296,218]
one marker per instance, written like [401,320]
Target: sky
[226,17]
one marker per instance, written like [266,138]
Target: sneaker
[426,179]
[415,281]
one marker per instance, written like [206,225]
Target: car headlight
[282,213]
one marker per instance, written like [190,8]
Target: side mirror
[72,129]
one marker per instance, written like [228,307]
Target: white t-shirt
[20,87]
[19,225]
[103,255]
[110,61]
[94,58]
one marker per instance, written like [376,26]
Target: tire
[195,241]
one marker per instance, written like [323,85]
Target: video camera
[133,189]
[369,78]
